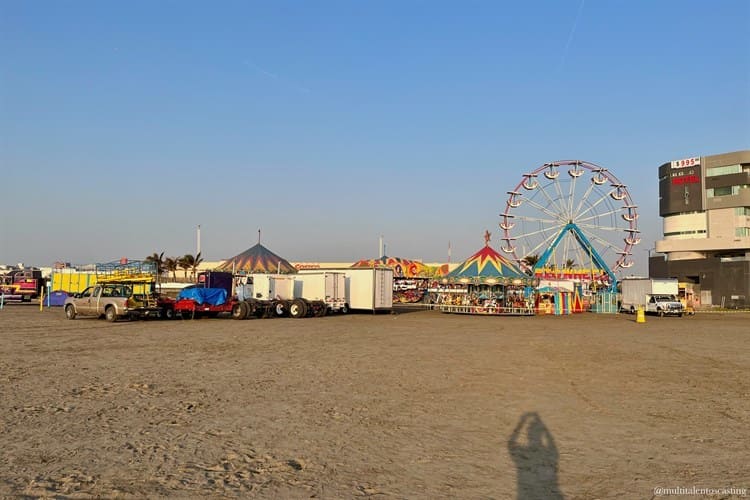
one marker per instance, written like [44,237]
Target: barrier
[486,311]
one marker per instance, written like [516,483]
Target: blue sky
[124,125]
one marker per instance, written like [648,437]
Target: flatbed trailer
[250,308]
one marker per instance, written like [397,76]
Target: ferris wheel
[570,214]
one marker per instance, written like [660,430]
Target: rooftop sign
[686,162]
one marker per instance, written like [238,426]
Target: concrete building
[705,205]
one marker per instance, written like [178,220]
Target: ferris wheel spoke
[595,234]
[569,214]
[546,241]
[560,195]
[606,245]
[542,231]
[526,218]
[581,256]
[594,205]
[599,227]
[584,197]
[566,251]
[542,208]
[599,215]
[556,203]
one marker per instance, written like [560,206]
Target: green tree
[157,259]
[171,264]
[186,263]
[196,262]
[570,263]
[531,260]
[190,262]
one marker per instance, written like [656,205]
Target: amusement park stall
[411,278]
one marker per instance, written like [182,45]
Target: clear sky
[124,125]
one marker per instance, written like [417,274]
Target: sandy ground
[411,405]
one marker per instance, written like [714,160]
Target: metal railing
[490,311]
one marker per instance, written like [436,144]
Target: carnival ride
[485,283]
[571,219]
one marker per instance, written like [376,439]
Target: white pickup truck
[664,305]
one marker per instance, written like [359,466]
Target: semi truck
[653,295]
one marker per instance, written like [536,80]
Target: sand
[411,405]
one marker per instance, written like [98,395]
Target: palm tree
[170,265]
[186,262]
[531,260]
[157,259]
[196,262]
[570,263]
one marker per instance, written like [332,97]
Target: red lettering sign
[686,179]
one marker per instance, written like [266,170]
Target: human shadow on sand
[536,457]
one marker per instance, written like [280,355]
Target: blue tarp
[56,298]
[211,296]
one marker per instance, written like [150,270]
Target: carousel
[486,283]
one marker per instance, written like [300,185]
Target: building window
[723,191]
[741,232]
[683,233]
[729,169]
[742,211]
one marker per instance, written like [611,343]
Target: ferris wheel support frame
[585,245]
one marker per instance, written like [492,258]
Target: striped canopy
[401,267]
[257,259]
[487,264]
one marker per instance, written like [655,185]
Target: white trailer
[328,287]
[366,289]
[657,295]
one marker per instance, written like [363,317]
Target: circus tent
[257,259]
[487,265]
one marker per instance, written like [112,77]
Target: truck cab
[664,305]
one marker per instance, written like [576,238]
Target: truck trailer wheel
[110,314]
[344,309]
[167,313]
[70,311]
[280,308]
[240,310]
[298,309]
[254,309]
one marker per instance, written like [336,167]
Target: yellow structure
[72,282]
[640,315]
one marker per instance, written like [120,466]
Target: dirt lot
[406,405]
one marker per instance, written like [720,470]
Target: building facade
[704,203]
